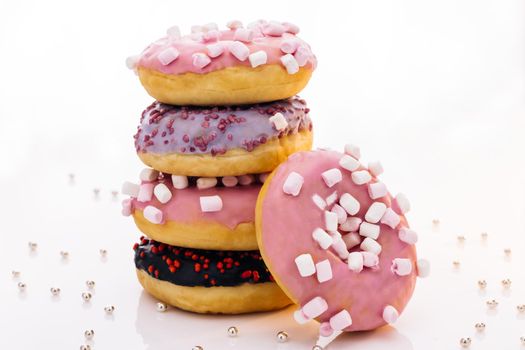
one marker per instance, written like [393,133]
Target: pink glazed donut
[336,241]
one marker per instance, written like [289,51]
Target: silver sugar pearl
[282,336]
[71,176]
[465,342]
[317,347]
[480,326]
[161,307]
[15,274]
[461,239]
[64,254]
[89,333]
[55,291]
[86,296]
[456,263]
[435,221]
[197,347]
[32,245]
[233,331]
[507,251]
[506,283]
[90,284]
[85,347]
[109,309]
[492,304]
[96,191]
[522,340]
[22,286]
[103,252]
[482,284]
[521,308]
[484,235]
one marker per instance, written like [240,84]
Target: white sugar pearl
[349,163]
[353,150]
[180,182]
[305,265]
[258,58]
[130,189]
[349,203]
[162,193]
[375,168]
[206,182]
[210,204]
[375,212]
[279,121]
[361,177]
[293,183]
[371,245]
[322,238]
[369,230]
[332,177]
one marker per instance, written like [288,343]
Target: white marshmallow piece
[130,189]
[289,45]
[407,235]
[339,247]
[355,262]
[375,212]
[162,193]
[351,240]
[206,182]
[375,168]
[390,314]
[351,224]
[403,205]
[371,246]
[340,320]
[331,199]
[340,212]
[148,175]
[377,190]
[330,220]
[367,229]
[215,49]
[243,34]
[210,204]
[353,150]
[179,182]
[349,163]
[239,50]
[370,259]
[145,192]
[234,24]
[319,201]
[230,181]
[290,63]
[132,61]
[200,60]
[361,177]
[302,55]
[324,271]
[290,27]
[293,184]
[168,55]
[315,307]
[173,32]
[305,265]
[300,317]
[349,203]
[322,238]
[279,121]
[423,268]
[152,214]
[332,177]
[401,267]
[127,208]
[390,218]
[258,58]
[245,180]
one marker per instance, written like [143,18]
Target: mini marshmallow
[132,61]
[206,182]
[390,314]
[332,177]
[290,63]
[349,163]
[196,36]
[289,46]
[126,207]
[375,212]
[322,238]
[239,50]
[305,265]
[246,180]
[279,121]
[148,174]
[243,34]
[234,24]
[370,259]
[162,193]
[263,177]
[200,60]
[179,182]
[293,183]
[315,307]
[210,204]
[300,317]
[353,150]
[273,29]
[302,55]
[230,181]
[145,192]
[390,218]
[130,189]
[339,247]
[215,49]
[168,55]
[330,220]
[375,168]
[407,235]
[152,214]
[331,199]
[371,245]
[258,58]
[173,32]
[351,224]
[290,27]
[211,35]
[369,230]
[355,262]
[319,201]
[340,320]
[324,271]
[325,330]
[423,268]
[210,26]
[401,204]
[351,240]
[401,267]
[361,177]
[340,212]
[377,190]
[349,203]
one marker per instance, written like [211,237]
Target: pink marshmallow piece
[130,189]
[211,36]
[168,55]
[351,240]
[423,268]
[234,24]
[369,230]
[407,235]
[341,320]
[349,203]
[339,247]
[390,314]
[210,204]
[340,212]
[243,34]
[145,192]
[273,29]
[215,49]
[351,224]
[370,259]
[291,28]
[390,218]
[332,177]
[401,267]
[375,168]
[325,330]
[200,60]
[126,207]
[332,198]
[371,245]
[401,204]
[162,193]
[153,214]
[375,212]
[289,45]
[353,150]
[258,58]
[377,190]
[230,181]
[302,55]
[324,271]
[361,177]
[239,50]
[349,163]
[315,307]
[293,183]
[246,180]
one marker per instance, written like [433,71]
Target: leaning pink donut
[337,242]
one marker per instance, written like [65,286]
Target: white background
[434,89]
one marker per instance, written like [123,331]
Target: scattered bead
[103,252]
[197,347]
[109,309]
[482,284]
[22,286]
[90,284]
[282,336]
[32,246]
[492,304]
[522,340]
[435,222]
[521,308]
[15,274]
[161,307]
[86,296]
[461,239]
[96,191]
[64,254]
[456,263]
[55,291]
[85,347]
[317,347]
[89,333]
[484,235]
[507,251]
[114,193]
[233,331]
[465,342]
[506,283]
[480,326]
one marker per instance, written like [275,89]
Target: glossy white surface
[434,90]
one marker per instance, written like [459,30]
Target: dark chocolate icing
[195,267]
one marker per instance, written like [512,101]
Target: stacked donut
[226,114]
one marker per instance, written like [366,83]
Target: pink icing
[196,43]
[184,206]
[287,226]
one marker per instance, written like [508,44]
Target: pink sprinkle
[200,60]
[239,50]
[168,55]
